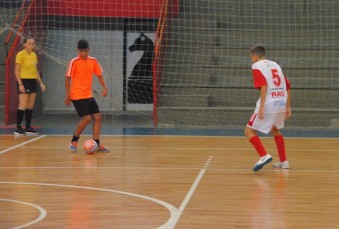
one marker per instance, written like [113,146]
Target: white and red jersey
[266,72]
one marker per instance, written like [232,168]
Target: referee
[27,75]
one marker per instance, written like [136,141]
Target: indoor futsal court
[177,90]
[166,180]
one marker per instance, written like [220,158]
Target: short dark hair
[27,38]
[258,50]
[83,44]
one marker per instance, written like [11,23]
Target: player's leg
[85,120]
[29,114]
[254,139]
[97,117]
[280,142]
[82,108]
[96,125]
[23,99]
[255,124]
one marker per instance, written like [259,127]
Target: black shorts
[86,106]
[30,86]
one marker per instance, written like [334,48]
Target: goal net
[186,63]
[208,79]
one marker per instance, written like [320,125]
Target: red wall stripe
[104,8]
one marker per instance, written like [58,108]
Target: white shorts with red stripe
[265,125]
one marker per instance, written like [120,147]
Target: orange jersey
[81,71]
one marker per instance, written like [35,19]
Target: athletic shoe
[73,146]
[263,161]
[19,131]
[102,149]
[31,131]
[283,165]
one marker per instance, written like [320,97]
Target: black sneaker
[19,131]
[31,131]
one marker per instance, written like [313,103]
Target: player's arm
[260,82]
[98,71]
[68,90]
[18,79]
[263,91]
[40,80]
[103,83]
[288,112]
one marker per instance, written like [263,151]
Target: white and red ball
[90,146]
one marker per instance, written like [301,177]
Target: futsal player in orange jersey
[78,84]
[272,108]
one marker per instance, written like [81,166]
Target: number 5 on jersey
[276,77]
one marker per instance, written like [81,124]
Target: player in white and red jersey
[272,108]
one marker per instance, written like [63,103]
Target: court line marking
[168,206]
[210,169]
[21,144]
[174,219]
[43,212]
[200,148]
[184,135]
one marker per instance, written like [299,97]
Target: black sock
[97,141]
[75,139]
[29,114]
[19,117]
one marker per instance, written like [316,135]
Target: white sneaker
[263,161]
[283,165]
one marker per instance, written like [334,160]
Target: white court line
[174,168]
[43,212]
[198,136]
[174,218]
[21,144]
[193,148]
[168,206]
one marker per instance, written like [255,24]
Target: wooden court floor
[167,182]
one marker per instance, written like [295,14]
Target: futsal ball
[90,146]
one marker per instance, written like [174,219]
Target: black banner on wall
[139,73]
